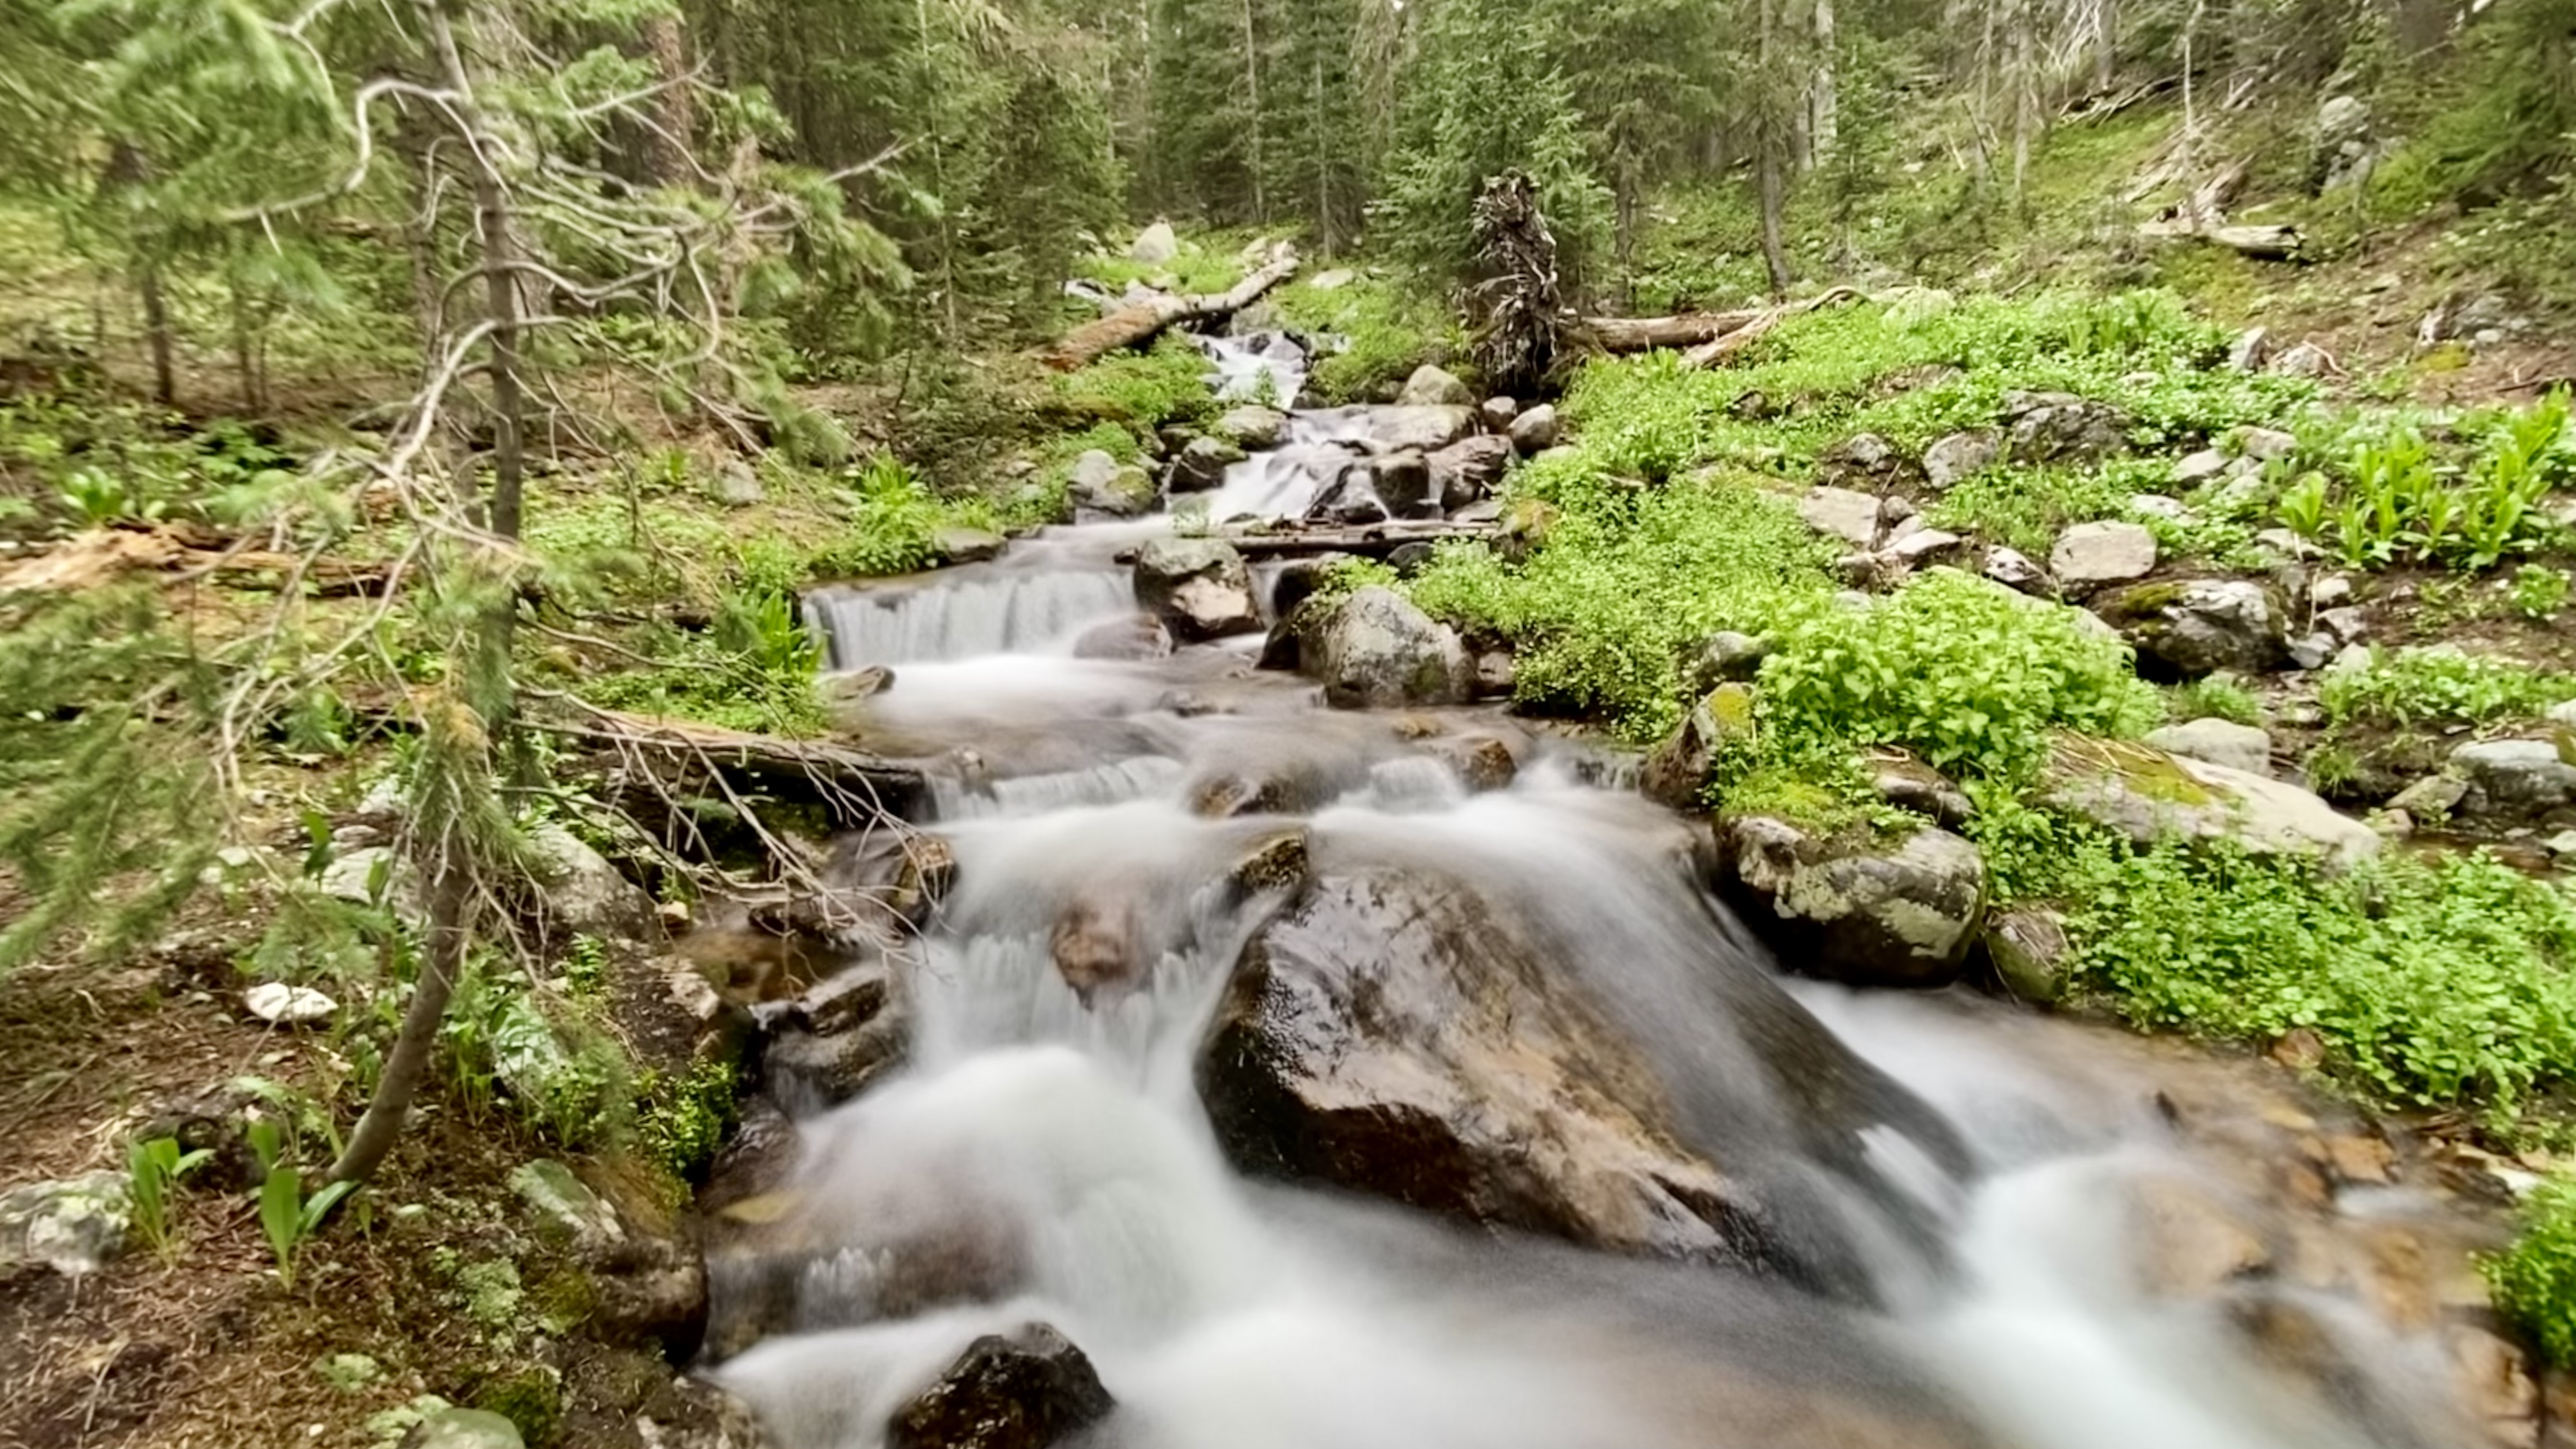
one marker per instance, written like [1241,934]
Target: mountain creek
[1259,1036]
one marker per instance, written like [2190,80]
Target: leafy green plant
[154,1167]
[2539,592]
[2534,1278]
[2439,684]
[2216,696]
[287,1217]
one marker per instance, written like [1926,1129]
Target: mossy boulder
[1853,908]
[2151,796]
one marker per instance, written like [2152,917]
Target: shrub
[1380,333]
[1141,391]
[2438,684]
[2534,1279]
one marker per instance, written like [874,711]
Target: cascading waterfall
[1973,1187]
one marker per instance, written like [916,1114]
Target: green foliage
[286,1216]
[1969,675]
[2437,983]
[2395,496]
[1142,390]
[1376,333]
[2437,685]
[682,1118]
[153,1169]
[2539,592]
[2215,696]
[2534,1279]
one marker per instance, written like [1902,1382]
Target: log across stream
[1351,1079]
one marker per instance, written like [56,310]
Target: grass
[2436,686]
[1385,331]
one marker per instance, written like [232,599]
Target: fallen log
[1369,541]
[103,554]
[1720,349]
[1645,334]
[2268,243]
[852,784]
[1137,325]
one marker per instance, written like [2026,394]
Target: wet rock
[2191,1244]
[1723,657]
[1423,429]
[280,1004]
[2051,427]
[464,1429]
[1481,762]
[1093,944]
[1535,431]
[2016,570]
[1199,588]
[2090,555]
[1282,787]
[1468,470]
[2199,627]
[1140,636]
[1909,784]
[1842,513]
[2495,1384]
[1252,428]
[1676,772]
[72,1225]
[1352,499]
[2030,954]
[1497,673]
[1434,387]
[2149,795]
[1029,1390]
[2300,1049]
[1101,484]
[583,892]
[844,1035]
[1376,650]
[1387,1032]
[1495,414]
[955,544]
[1406,484]
[1859,911]
[1865,462]
[2217,741]
[1960,456]
[1278,863]
[2515,777]
[1201,466]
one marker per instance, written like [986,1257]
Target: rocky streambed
[1264,1040]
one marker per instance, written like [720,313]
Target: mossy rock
[2150,796]
[530,1396]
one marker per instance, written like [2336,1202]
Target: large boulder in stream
[1422,429]
[2192,627]
[1029,1390]
[1375,650]
[1859,910]
[1201,466]
[1468,470]
[1199,588]
[1434,387]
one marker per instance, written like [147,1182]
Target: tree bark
[156,331]
[1824,119]
[1132,326]
[1769,142]
[1644,334]
[675,116]
[1252,87]
[500,286]
[442,959]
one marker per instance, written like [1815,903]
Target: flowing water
[1986,1287]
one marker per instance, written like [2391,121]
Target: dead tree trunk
[1644,334]
[1137,325]
[1520,312]
[499,266]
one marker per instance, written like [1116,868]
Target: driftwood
[1371,540]
[854,785]
[2269,243]
[103,554]
[1516,305]
[1645,334]
[1137,325]
[1720,349]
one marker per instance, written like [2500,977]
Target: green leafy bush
[1971,676]
[2391,494]
[2438,684]
[1379,333]
[2216,696]
[2534,1279]
[1141,391]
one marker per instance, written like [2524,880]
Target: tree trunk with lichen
[1517,305]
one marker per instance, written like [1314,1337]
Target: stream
[1949,1221]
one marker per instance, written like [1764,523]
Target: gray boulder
[583,892]
[1029,1390]
[1676,772]
[1535,431]
[1155,245]
[2030,954]
[2090,555]
[1723,657]
[464,1429]
[1865,461]
[1251,427]
[2304,360]
[1960,456]
[1199,588]
[2202,626]
[1201,465]
[1405,483]
[2015,570]
[1140,636]
[1434,387]
[72,1225]
[2516,777]
[957,544]
[2149,795]
[2251,349]
[1468,470]
[1423,429]
[1859,911]
[2265,444]
[1856,518]
[1101,484]
[2056,427]
[2217,742]
[1496,414]
[1374,649]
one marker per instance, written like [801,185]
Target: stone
[843,1036]
[1199,588]
[1333,280]
[2300,1049]
[464,1429]
[2432,798]
[281,1004]
[2190,1244]
[2332,591]
[1842,513]
[1676,772]
[1252,428]
[1093,945]
[2090,555]
[1422,429]
[738,486]
[1481,762]
[1468,470]
[2063,428]
[72,1225]
[1404,483]
[1201,466]
[2284,544]
[1101,484]
[1495,414]
[956,544]
[2562,713]
[1926,546]
[2304,360]
[583,892]
[2515,777]
[2250,350]
[2265,444]
[2217,742]
[1909,784]
[1431,386]
[2344,626]
[2202,626]
[565,1211]
[358,875]
[1027,1390]
[1723,657]
[2158,505]
[2151,796]
[1960,456]
[1155,246]
[1376,650]
[1137,637]
[2192,470]
[1861,913]
[1865,461]
[2561,846]
[1535,431]
[2030,954]
[2015,570]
